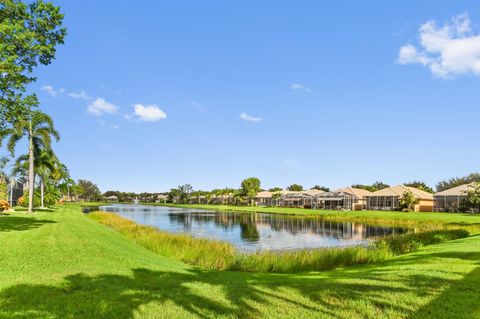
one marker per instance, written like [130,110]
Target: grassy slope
[440,218]
[62,265]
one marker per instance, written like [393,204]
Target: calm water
[250,232]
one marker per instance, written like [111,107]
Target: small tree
[473,196]
[184,192]
[408,201]
[295,188]
[276,196]
[275,189]
[250,188]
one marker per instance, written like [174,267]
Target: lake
[255,231]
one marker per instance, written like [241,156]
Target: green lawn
[380,216]
[61,264]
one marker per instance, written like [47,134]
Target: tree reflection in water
[252,231]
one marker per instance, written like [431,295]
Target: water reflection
[260,231]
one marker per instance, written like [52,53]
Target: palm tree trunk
[31,172]
[42,192]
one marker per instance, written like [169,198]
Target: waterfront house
[388,199]
[451,200]
[347,198]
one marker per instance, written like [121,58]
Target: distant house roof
[313,192]
[264,194]
[111,197]
[357,192]
[397,191]
[301,194]
[162,196]
[456,191]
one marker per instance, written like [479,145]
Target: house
[303,199]
[341,199]
[264,198]
[111,199]
[359,201]
[451,200]
[162,198]
[388,199]
[14,190]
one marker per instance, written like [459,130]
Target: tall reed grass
[219,255]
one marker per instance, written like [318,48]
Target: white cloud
[82,95]
[300,87]
[244,116]
[100,106]
[448,50]
[147,113]
[52,91]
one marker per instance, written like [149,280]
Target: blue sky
[153,94]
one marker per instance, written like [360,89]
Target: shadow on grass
[459,300]
[210,294]
[16,223]
[376,290]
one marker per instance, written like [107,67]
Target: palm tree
[47,167]
[46,164]
[39,129]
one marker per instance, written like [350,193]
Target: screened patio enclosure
[334,201]
[448,203]
[383,202]
[296,199]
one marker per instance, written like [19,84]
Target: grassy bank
[61,264]
[377,217]
[218,255]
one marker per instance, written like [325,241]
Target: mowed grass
[61,264]
[370,216]
[217,255]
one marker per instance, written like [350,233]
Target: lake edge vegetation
[217,255]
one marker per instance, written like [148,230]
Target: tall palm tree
[39,129]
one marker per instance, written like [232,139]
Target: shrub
[21,201]
[406,243]
[4,205]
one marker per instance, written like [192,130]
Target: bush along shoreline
[217,255]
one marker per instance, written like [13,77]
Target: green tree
[249,188]
[173,195]
[39,129]
[473,196]
[276,196]
[275,189]
[421,186]
[46,166]
[295,188]
[372,188]
[88,189]
[321,188]
[457,181]
[408,201]
[184,192]
[29,35]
